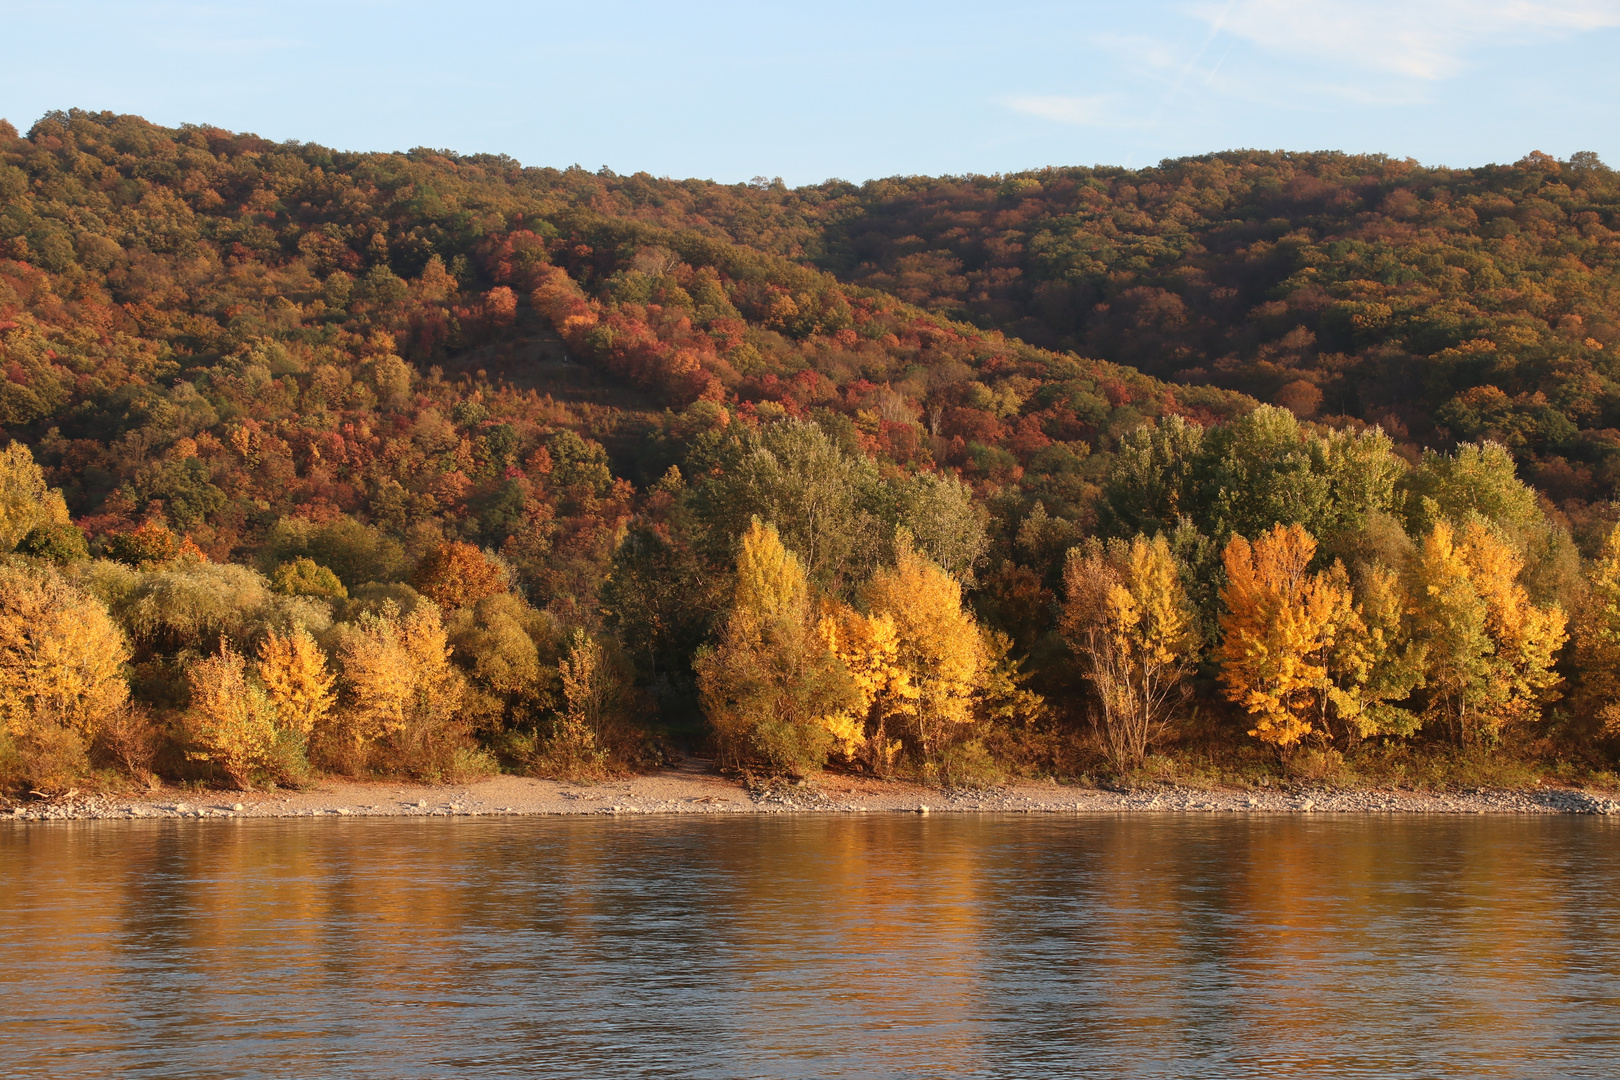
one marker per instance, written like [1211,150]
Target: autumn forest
[1242,466]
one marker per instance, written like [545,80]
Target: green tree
[304,576]
[939,513]
[1266,469]
[792,475]
[1150,481]
[60,543]
[660,600]
[355,552]
[1479,481]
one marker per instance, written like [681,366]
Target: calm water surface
[780,947]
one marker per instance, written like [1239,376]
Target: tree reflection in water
[786,947]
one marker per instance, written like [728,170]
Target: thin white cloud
[1418,39]
[1091,111]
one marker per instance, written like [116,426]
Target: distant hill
[1441,303]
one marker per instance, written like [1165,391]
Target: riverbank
[692,789]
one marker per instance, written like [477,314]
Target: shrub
[60,543]
[400,693]
[230,723]
[304,576]
[61,673]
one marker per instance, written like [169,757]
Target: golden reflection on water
[871,946]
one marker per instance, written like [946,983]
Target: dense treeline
[432,465]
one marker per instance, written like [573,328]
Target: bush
[304,576]
[61,674]
[230,723]
[47,758]
[128,740]
[966,764]
[60,543]
[402,696]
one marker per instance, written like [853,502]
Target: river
[878,946]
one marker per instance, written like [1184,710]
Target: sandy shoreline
[692,789]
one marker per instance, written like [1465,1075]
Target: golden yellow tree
[1597,636]
[26,501]
[771,688]
[293,670]
[867,647]
[61,671]
[1372,658]
[938,650]
[1280,621]
[1128,620]
[1490,650]
[230,723]
[401,687]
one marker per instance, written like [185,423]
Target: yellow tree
[1279,622]
[61,671]
[26,501]
[1597,636]
[293,670]
[1490,650]
[939,649]
[1372,658]
[867,647]
[1128,620]
[230,722]
[400,686]
[771,685]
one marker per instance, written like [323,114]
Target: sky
[855,90]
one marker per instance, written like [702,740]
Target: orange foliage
[457,575]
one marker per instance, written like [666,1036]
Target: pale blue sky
[840,88]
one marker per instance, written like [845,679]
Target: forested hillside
[1440,303]
[430,463]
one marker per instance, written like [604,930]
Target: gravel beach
[692,789]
